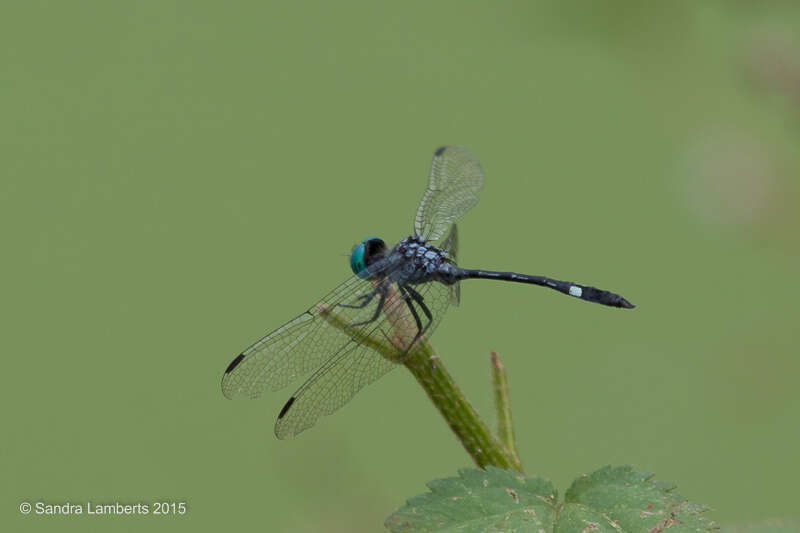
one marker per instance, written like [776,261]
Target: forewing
[453,186]
[356,365]
[299,346]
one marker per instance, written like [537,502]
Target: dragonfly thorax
[421,262]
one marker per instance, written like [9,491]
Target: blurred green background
[179,178]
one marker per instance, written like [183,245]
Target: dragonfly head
[365,253]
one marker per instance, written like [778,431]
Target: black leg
[383,290]
[421,302]
[407,299]
[365,300]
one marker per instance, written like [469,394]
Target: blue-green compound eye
[358,257]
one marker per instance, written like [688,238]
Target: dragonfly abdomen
[583,292]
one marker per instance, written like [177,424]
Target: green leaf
[629,501]
[615,500]
[478,500]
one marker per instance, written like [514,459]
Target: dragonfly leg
[364,298]
[407,297]
[417,297]
[383,290]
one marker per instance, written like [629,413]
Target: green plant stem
[474,435]
[502,402]
[476,438]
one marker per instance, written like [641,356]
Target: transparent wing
[450,243]
[300,345]
[356,365]
[333,385]
[450,247]
[453,185]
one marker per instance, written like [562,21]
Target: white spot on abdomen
[575,291]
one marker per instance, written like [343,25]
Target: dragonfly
[399,293]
